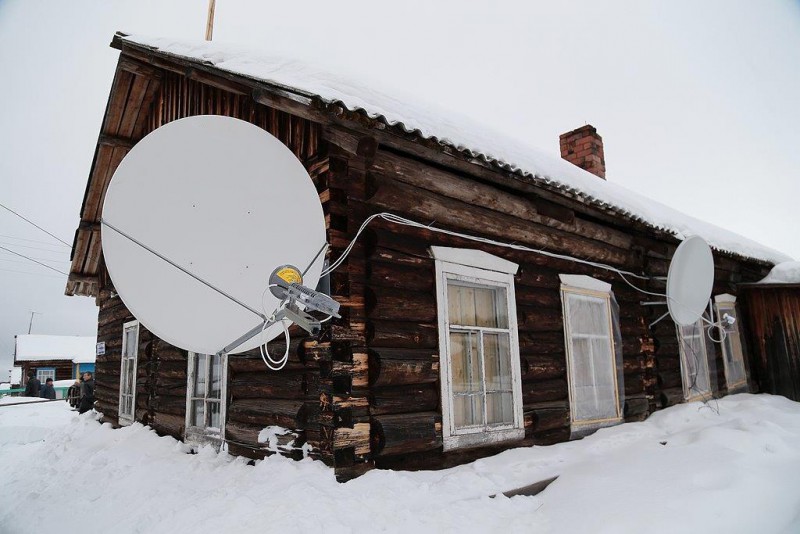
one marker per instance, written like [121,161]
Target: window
[127,377]
[43,373]
[479,348]
[694,361]
[589,333]
[205,398]
[732,350]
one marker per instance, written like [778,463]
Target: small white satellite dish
[196,218]
[690,281]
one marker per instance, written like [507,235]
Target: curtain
[592,362]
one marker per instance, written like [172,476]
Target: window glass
[732,351]
[215,386]
[206,392]
[592,362]
[480,355]
[694,360]
[200,375]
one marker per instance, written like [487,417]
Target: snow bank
[459,132]
[686,469]
[787,272]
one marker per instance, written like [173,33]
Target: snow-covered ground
[732,466]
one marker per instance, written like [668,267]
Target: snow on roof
[32,347]
[787,272]
[459,132]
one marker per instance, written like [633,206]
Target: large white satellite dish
[690,281]
[195,220]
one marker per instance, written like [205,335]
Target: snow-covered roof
[458,132]
[787,272]
[32,347]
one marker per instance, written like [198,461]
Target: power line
[28,272]
[4,258]
[34,261]
[36,225]
[28,240]
[60,251]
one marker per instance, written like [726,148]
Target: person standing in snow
[74,394]
[87,393]
[48,391]
[33,386]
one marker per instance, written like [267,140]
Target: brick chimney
[584,147]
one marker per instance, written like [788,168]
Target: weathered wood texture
[771,319]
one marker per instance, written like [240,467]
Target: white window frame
[43,373]
[723,304]
[481,269]
[587,286]
[125,418]
[688,394]
[205,435]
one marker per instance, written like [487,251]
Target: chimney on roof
[584,147]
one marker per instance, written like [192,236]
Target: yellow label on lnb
[290,275]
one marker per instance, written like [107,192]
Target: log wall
[397,282]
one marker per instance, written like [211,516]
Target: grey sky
[697,102]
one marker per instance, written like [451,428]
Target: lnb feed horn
[286,283]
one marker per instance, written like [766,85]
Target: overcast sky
[698,102]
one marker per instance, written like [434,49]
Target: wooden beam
[115,141]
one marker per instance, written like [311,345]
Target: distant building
[56,357]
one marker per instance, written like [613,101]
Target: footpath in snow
[732,466]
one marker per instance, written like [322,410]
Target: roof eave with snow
[476,144]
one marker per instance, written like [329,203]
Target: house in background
[448,348]
[56,357]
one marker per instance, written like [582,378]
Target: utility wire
[31,259]
[59,251]
[26,239]
[36,225]
[34,274]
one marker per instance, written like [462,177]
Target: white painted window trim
[127,419]
[476,437]
[587,286]
[201,436]
[726,304]
[688,395]
[474,258]
[43,373]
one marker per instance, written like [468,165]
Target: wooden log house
[448,349]
[55,357]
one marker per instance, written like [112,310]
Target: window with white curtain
[591,359]
[732,350]
[127,377]
[694,361]
[205,397]
[479,349]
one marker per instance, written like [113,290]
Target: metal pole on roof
[210,20]
[30,324]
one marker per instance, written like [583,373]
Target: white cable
[273,364]
[390,217]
